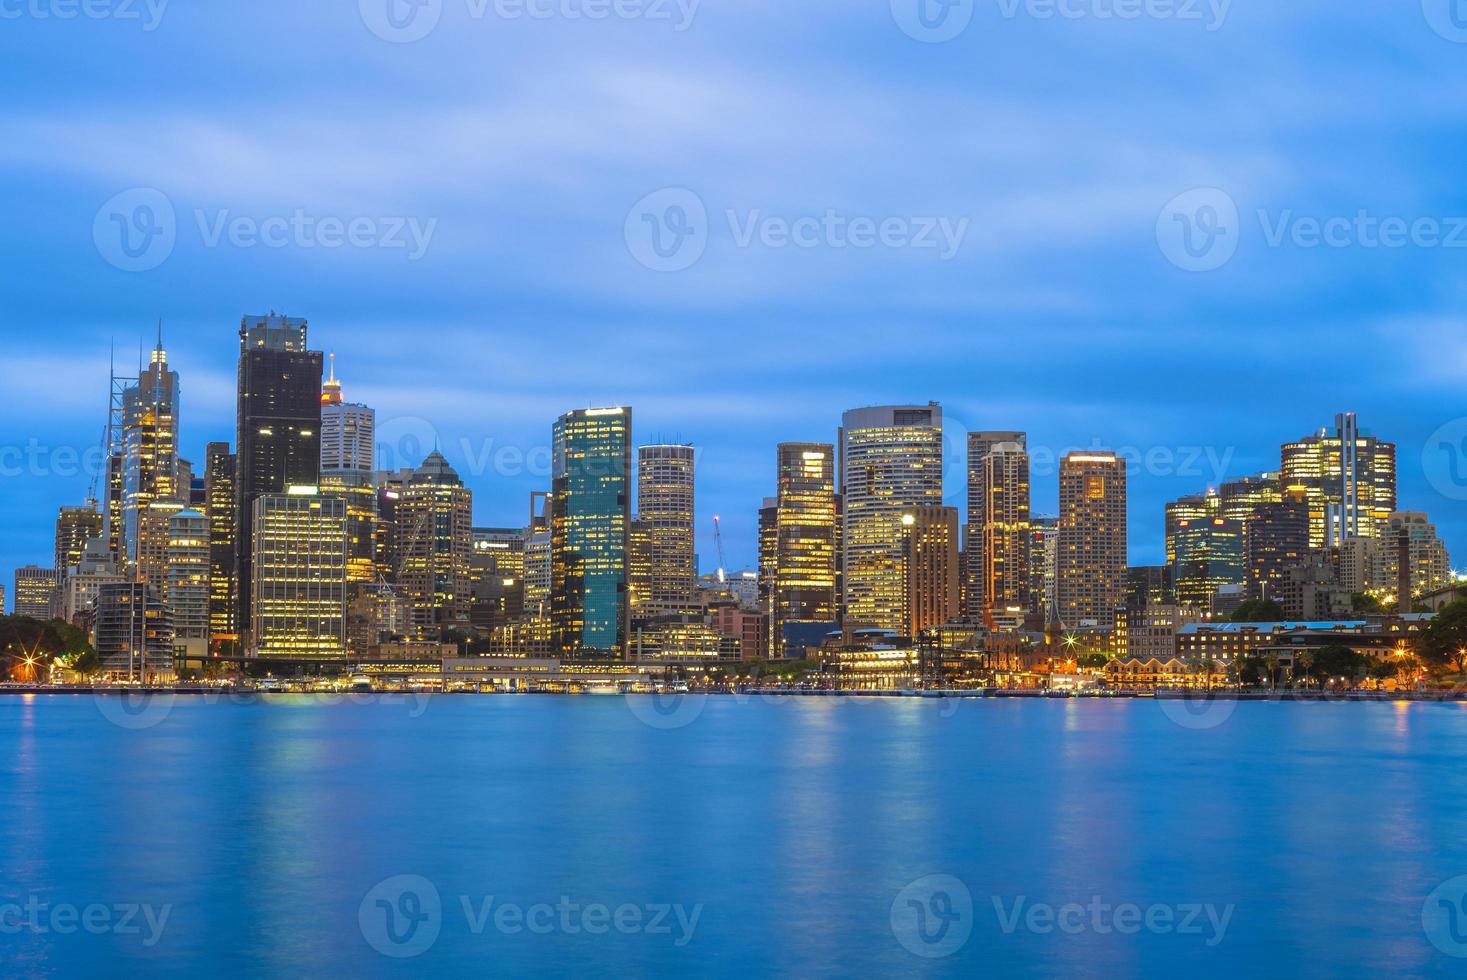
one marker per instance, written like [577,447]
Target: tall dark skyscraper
[219,476]
[279,435]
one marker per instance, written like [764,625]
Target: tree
[1093,660]
[1336,660]
[1443,643]
[1258,611]
[1366,604]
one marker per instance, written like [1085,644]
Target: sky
[1189,231]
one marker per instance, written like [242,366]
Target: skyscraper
[931,569]
[435,528]
[37,592]
[1091,562]
[134,632]
[891,464]
[1003,538]
[1043,564]
[279,427]
[665,505]
[298,577]
[150,446]
[219,508]
[188,581]
[75,526]
[798,559]
[980,444]
[1349,479]
[590,514]
[347,430]
[1209,555]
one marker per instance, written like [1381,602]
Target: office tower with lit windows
[1348,477]
[931,569]
[1091,543]
[435,528]
[219,475]
[590,516]
[1209,556]
[84,580]
[1149,585]
[497,577]
[278,442]
[890,464]
[980,444]
[359,491]
[1002,532]
[150,469]
[347,430]
[37,592]
[798,551]
[665,506]
[1043,564]
[188,582]
[133,630]
[150,558]
[75,528]
[298,577]
[1275,524]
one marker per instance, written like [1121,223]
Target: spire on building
[331,390]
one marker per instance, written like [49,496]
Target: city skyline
[501,473]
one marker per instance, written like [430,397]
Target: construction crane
[718,539]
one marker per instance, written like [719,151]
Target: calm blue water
[789,826]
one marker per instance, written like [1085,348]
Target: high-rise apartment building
[219,476]
[278,442]
[1090,582]
[1412,560]
[931,569]
[890,465]
[435,527]
[1349,479]
[150,470]
[37,592]
[1002,581]
[1043,564]
[665,508]
[980,444]
[590,516]
[187,595]
[798,534]
[83,582]
[75,527]
[298,576]
[133,630]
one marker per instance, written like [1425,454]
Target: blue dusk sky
[1187,230]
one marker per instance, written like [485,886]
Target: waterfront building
[1150,631]
[1348,479]
[298,576]
[748,627]
[1228,642]
[932,569]
[797,542]
[666,510]
[75,528]
[187,594]
[890,464]
[590,516]
[1013,488]
[219,476]
[278,438]
[435,530]
[37,592]
[1091,559]
[132,632]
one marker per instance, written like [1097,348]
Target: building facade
[980,445]
[932,569]
[435,527]
[1348,479]
[665,508]
[1091,543]
[298,576]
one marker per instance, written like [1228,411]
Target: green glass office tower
[590,517]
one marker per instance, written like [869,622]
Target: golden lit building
[150,557]
[358,490]
[890,464]
[219,509]
[931,569]
[665,509]
[435,535]
[1003,532]
[1348,478]
[187,595]
[298,576]
[75,527]
[798,531]
[1091,542]
[150,454]
[980,444]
